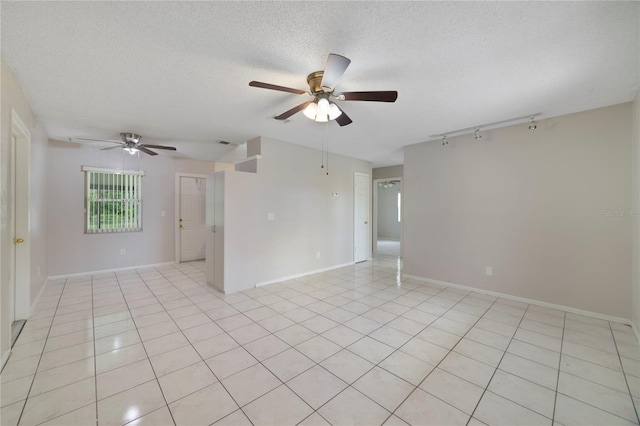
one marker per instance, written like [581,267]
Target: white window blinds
[113,201]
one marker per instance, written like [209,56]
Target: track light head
[477,133]
[532,124]
[444,141]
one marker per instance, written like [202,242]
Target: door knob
[18,240]
[365,222]
[180,225]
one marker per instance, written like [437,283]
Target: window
[399,206]
[112,200]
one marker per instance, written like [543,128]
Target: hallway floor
[156,346]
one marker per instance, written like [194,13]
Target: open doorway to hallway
[387,213]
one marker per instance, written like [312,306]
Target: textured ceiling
[179,71]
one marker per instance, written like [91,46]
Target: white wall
[308,218]
[70,250]
[531,204]
[12,98]
[636,216]
[388,225]
[387,172]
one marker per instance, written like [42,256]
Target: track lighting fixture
[476,129]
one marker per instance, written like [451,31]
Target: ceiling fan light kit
[321,86]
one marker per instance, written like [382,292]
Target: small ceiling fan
[322,85]
[131,143]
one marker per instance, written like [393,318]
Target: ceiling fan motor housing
[130,138]
[315,83]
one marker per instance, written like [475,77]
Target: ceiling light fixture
[321,110]
[476,129]
[388,184]
[131,150]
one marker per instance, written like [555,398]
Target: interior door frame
[368,256]
[178,193]
[20,256]
[374,242]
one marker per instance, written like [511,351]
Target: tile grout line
[146,353]
[444,357]
[95,367]
[371,308]
[555,399]
[624,374]
[498,366]
[398,349]
[204,360]
[318,364]
[26,399]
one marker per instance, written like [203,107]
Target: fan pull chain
[327,157]
[326,144]
[322,149]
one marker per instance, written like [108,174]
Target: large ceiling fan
[322,85]
[131,143]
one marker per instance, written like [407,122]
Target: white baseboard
[526,300]
[104,271]
[304,274]
[37,299]
[5,357]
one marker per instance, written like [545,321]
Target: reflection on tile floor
[157,346]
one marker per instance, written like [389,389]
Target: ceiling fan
[322,85]
[131,143]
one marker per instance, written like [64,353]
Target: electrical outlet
[317,255]
[163,213]
[271,216]
[123,252]
[488,270]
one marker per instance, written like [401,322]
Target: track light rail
[473,129]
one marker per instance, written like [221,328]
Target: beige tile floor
[156,346]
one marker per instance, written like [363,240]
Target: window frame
[135,183]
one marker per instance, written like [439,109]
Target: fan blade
[333,70]
[99,140]
[157,147]
[292,111]
[343,119]
[111,147]
[382,96]
[146,151]
[276,87]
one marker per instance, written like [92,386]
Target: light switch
[271,216]
[163,213]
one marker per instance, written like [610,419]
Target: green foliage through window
[112,201]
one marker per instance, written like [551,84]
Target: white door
[12,226]
[18,210]
[192,218]
[361,217]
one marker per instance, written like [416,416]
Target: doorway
[191,213]
[361,191]
[19,230]
[387,216]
